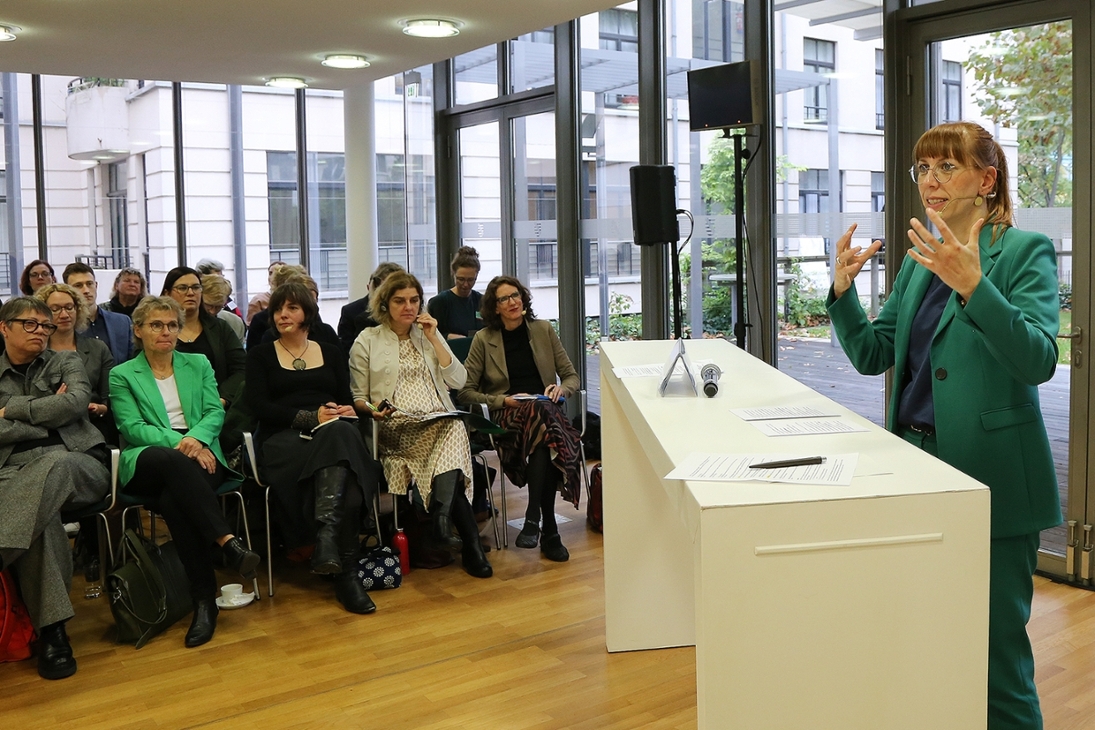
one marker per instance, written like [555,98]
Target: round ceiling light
[7,32]
[345,60]
[430,28]
[286,82]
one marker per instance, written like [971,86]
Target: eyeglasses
[70,308]
[158,327]
[183,288]
[509,297]
[466,279]
[40,275]
[33,325]
[942,172]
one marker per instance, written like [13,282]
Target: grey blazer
[98,361]
[488,377]
[32,406]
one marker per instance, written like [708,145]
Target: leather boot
[349,589]
[204,622]
[474,559]
[55,660]
[441,500]
[329,484]
[238,558]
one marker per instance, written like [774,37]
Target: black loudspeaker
[654,204]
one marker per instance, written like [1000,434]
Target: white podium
[811,607]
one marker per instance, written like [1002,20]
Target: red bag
[594,515]
[16,630]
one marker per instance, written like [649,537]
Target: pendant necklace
[298,360]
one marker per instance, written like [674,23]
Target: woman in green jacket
[970,329]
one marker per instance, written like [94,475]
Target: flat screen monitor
[723,97]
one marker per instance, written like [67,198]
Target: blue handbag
[379,569]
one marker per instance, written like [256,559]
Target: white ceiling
[247,41]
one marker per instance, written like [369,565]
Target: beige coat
[488,377]
[374,365]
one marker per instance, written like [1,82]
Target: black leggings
[183,492]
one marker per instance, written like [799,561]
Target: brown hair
[24,280]
[971,145]
[378,302]
[382,272]
[488,307]
[294,291]
[465,257]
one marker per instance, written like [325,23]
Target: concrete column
[361,223]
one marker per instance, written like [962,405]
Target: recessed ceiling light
[430,28]
[345,60]
[286,82]
[7,32]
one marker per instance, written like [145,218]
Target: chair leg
[269,548]
[247,534]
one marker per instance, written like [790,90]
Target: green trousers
[1013,697]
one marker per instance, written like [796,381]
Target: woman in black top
[314,461]
[457,310]
[205,335]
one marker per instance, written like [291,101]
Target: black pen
[806,461]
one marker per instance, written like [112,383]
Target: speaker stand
[739,232]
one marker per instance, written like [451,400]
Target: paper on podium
[806,426]
[837,469]
[769,413]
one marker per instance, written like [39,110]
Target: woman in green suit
[168,410]
[970,329]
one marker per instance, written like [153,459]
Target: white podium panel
[810,606]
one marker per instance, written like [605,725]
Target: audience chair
[102,525]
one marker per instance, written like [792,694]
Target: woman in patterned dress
[518,367]
[401,371]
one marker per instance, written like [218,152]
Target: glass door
[1019,79]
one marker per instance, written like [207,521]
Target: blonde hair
[216,287]
[82,314]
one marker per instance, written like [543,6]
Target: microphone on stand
[709,374]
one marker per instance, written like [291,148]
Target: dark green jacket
[988,358]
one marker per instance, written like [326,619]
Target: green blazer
[142,417]
[988,358]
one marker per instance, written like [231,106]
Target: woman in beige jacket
[518,367]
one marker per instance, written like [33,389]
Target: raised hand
[850,260]
[957,263]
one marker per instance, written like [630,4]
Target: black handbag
[379,569]
[149,592]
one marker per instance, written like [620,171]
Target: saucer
[240,602]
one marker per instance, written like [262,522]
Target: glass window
[117,210]
[952,91]
[878,192]
[532,60]
[879,90]
[818,57]
[476,75]
[813,191]
[619,30]
[718,30]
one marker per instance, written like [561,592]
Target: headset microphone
[710,373]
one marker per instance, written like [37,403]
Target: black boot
[349,589]
[55,660]
[441,498]
[329,484]
[204,622]
[238,558]
[474,559]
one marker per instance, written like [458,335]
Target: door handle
[1076,336]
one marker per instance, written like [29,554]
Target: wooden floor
[524,649]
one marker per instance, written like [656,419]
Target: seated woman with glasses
[401,372]
[457,310]
[516,358]
[166,406]
[70,317]
[36,275]
[319,471]
[205,335]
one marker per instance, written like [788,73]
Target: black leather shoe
[475,561]
[442,532]
[325,558]
[240,559]
[530,535]
[351,592]
[55,660]
[204,623]
[551,547]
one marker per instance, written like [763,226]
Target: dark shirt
[277,394]
[456,315]
[520,365]
[916,407]
[96,328]
[200,346]
[348,325]
[116,306]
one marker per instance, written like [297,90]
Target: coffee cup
[232,591]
